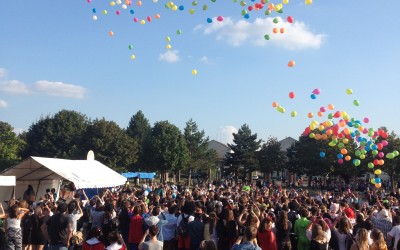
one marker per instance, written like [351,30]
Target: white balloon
[94,18]
[124,6]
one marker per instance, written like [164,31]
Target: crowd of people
[220,215]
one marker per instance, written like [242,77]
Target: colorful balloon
[322,154]
[292,95]
[293,114]
[220,18]
[194,72]
[289,19]
[274,104]
[356,103]
[291,63]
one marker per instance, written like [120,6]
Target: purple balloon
[316,91]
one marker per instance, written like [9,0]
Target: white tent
[43,173]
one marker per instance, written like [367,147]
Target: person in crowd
[378,239]
[29,194]
[116,241]
[342,232]
[3,216]
[182,224]
[210,228]
[361,240]
[153,243]
[383,222]
[318,238]
[14,233]
[124,219]
[196,229]
[94,240]
[266,236]
[208,245]
[153,219]
[395,232]
[283,226]
[169,230]
[248,241]
[300,228]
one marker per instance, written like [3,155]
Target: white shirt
[395,233]
[13,223]
[191,218]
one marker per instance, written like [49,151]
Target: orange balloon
[329,132]
[381,162]
[324,137]
[331,107]
[282,30]
[320,114]
[271,6]
[275,30]
[274,104]
[110,33]
[346,131]
[291,63]
[317,137]
[310,115]
[342,123]
[343,151]
[157,16]
[378,185]
[139,3]
[347,158]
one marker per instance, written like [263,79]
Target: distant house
[221,150]
[287,143]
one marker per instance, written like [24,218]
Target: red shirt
[267,240]
[136,229]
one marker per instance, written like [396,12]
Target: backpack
[183,226]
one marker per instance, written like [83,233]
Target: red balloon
[250,8]
[376,162]
[289,19]
[337,114]
[291,95]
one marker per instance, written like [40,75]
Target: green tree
[139,129]
[168,148]
[243,157]
[10,146]
[305,158]
[111,145]
[271,157]
[58,136]
[200,156]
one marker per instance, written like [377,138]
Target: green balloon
[375,152]
[266,37]
[276,20]
[244,12]
[356,103]
[357,153]
[194,3]
[191,11]
[242,3]
[178,32]
[390,156]
[130,47]
[370,165]
[362,156]
[280,11]
[267,12]
[357,162]
[396,153]
[213,1]
[205,7]
[340,145]
[330,116]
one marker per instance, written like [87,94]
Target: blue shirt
[168,230]
[245,246]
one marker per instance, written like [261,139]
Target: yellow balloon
[112,3]
[133,57]
[168,46]
[142,21]
[378,172]
[104,12]
[373,180]
[168,39]
[194,72]
[285,1]
[308,2]
[174,8]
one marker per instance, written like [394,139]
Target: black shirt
[58,227]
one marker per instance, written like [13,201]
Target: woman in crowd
[379,241]
[115,239]
[210,232]
[136,228]
[361,241]
[342,232]
[318,238]
[266,236]
[153,243]
[14,233]
[283,227]
[94,240]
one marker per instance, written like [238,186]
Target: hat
[152,220]
[198,210]
[144,186]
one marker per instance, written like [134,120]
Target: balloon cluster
[139,15]
[341,129]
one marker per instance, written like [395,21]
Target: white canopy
[44,173]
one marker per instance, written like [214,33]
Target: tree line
[164,148]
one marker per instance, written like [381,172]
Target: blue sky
[53,56]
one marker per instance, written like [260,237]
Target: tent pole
[13,193]
[37,189]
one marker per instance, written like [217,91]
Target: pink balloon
[366,120]
[322,109]
[365,131]
[89,1]
[117,12]
[135,19]
[381,154]
[384,143]
[316,91]
[340,161]
[220,18]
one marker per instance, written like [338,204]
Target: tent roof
[84,173]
